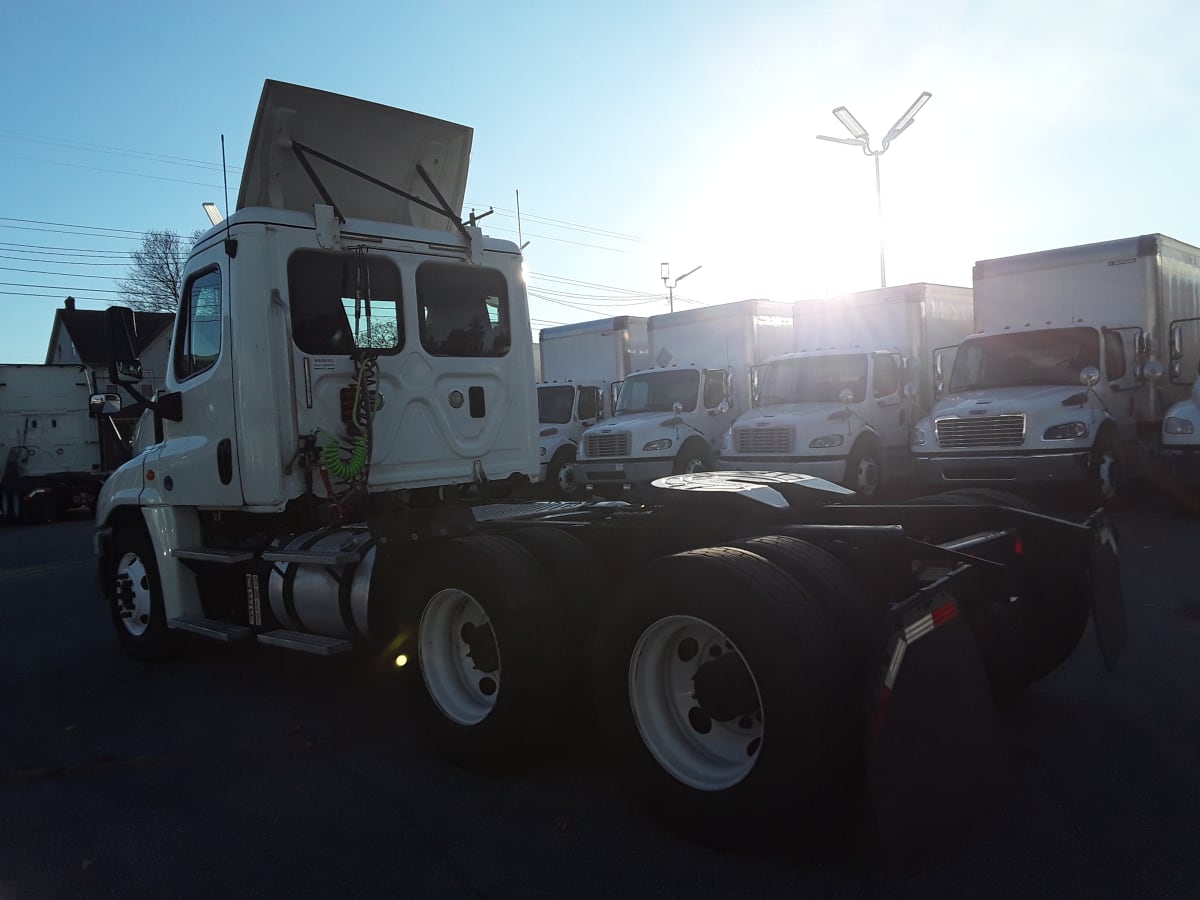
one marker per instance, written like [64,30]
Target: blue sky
[635,133]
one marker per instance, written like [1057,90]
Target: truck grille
[606,444]
[764,440]
[981,431]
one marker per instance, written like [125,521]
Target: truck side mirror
[1089,375]
[124,367]
[100,405]
[910,391]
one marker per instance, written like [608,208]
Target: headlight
[727,441]
[825,441]
[1068,431]
[660,444]
[1175,425]
[918,438]
[542,450]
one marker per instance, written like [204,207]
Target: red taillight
[1018,547]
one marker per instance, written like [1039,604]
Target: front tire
[135,597]
[1106,474]
[864,470]
[691,459]
[560,476]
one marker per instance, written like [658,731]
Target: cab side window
[1114,355]
[198,336]
[589,403]
[714,388]
[887,376]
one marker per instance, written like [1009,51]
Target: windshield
[814,379]
[554,404]
[1052,357]
[659,391]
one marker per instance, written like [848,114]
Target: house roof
[86,329]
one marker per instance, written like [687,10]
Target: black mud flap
[1108,599]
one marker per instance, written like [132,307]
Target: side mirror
[124,367]
[1153,370]
[1089,375]
[677,407]
[720,409]
[104,405]
[910,391]
[846,396]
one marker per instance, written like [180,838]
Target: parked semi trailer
[49,443]
[342,356]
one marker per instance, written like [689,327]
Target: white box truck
[841,406]
[670,418]
[347,351]
[49,442]
[1063,382]
[582,367]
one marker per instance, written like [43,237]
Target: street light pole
[665,273]
[860,138]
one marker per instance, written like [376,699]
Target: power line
[54,162]
[69,225]
[58,274]
[119,151]
[53,287]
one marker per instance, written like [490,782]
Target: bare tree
[153,281]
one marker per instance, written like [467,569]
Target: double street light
[665,272]
[860,138]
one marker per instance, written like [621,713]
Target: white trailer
[1063,381]
[704,361]
[348,352]
[842,405]
[582,367]
[49,442]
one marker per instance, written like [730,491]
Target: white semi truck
[49,442]
[346,349]
[1061,383]
[841,407]
[670,418]
[583,366]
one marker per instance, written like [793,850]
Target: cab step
[213,629]
[304,642]
[213,555]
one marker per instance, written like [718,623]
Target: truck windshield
[814,379]
[555,402]
[659,391]
[1051,357]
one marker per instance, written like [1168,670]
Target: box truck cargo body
[582,368]
[842,405]
[1077,354]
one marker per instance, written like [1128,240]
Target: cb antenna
[230,243]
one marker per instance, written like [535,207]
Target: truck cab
[839,415]
[1181,440]
[1037,405]
[565,410]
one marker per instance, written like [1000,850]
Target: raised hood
[379,141]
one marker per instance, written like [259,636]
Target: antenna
[230,243]
[521,242]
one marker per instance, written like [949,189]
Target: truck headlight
[1068,431]
[825,441]
[918,438]
[1174,425]
[727,441]
[660,444]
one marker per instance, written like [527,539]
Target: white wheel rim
[693,465]
[1108,474]
[867,476]
[133,594]
[566,480]
[461,689]
[661,696]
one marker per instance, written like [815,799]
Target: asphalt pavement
[239,772]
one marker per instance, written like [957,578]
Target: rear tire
[491,651]
[716,683]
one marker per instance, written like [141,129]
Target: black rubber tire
[578,583]
[562,458]
[1022,641]
[157,642]
[845,602]
[692,451]
[1095,495]
[811,752]
[864,449]
[516,595]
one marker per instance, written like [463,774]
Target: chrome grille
[981,431]
[606,444]
[764,440]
